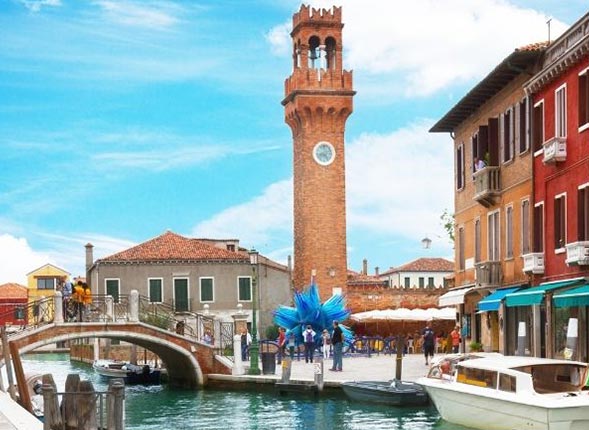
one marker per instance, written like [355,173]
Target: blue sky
[121,119]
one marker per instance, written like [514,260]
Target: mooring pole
[400,343]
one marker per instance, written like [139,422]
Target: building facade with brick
[559,261]
[318,101]
[493,194]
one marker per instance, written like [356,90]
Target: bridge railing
[29,316]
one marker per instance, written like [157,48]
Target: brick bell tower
[318,100]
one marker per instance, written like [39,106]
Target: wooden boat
[392,393]
[506,392]
[131,373]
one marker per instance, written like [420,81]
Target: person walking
[87,300]
[429,342]
[337,340]
[309,339]
[455,335]
[325,344]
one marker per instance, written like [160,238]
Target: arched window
[330,52]
[314,52]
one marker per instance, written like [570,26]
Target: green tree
[448,224]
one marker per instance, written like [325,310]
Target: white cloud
[37,5]
[397,186]
[18,259]
[279,38]
[254,222]
[399,183]
[68,252]
[154,15]
[423,46]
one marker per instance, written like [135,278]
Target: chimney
[89,261]
[376,270]
[365,267]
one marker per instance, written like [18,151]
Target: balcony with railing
[488,273]
[534,263]
[555,150]
[487,185]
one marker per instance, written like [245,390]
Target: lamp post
[254,347]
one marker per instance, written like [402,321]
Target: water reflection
[160,408]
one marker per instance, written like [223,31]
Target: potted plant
[475,346]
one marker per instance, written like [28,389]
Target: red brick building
[560,139]
[318,100]
[13,301]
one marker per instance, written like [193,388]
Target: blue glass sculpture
[309,310]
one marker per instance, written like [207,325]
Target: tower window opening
[330,53]
[314,52]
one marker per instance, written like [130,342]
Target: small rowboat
[392,393]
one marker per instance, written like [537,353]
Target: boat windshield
[556,378]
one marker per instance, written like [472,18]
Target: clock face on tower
[324,153]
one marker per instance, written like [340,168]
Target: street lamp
[254,347]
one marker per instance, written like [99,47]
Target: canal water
[160,408]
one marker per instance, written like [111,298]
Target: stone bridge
[186,359]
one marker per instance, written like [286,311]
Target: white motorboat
[499,392]
[131,373]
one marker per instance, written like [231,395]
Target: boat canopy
[576,297]
[535,295]
[493,301]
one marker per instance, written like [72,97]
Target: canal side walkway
[355,368]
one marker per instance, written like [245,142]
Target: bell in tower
[318,101]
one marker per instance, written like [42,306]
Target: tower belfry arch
[318,101]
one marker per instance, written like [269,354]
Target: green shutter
[112,289]
[155,290]
[206,290]
[245,292]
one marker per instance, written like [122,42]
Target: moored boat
[505,392]
[393,393]
[131,373]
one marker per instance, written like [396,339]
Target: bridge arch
[184,358]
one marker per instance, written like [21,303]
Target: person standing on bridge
[78,298]
[87,300]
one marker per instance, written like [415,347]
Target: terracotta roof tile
[355,278]
[12,290]
[424,265]
[538,46]
[172,246]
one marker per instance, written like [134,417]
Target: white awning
[402,314]
[454,297]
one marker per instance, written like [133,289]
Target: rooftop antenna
[548,24]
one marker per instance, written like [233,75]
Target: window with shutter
[560,112]
[538,126]
[539,227]
[559,221]
[509,232]
[584,98]
[525,227]
[583,213]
